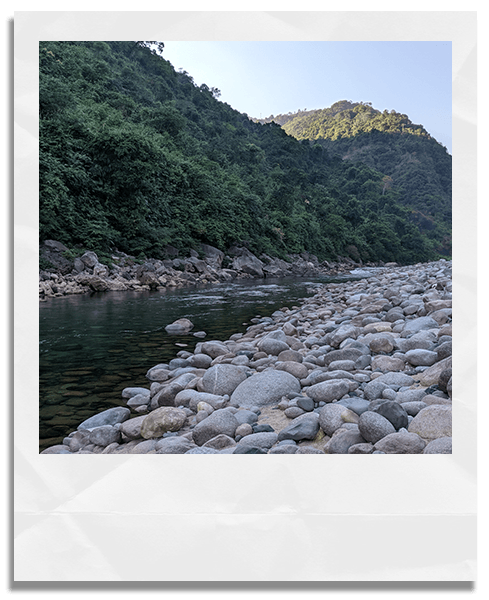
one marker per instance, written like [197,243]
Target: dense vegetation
[418,167]
[135,156]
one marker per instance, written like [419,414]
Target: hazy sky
[264,78]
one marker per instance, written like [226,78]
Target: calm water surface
[92,347]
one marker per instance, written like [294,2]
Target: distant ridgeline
[419,167]
[134,156]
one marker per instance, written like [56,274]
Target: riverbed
[93,346]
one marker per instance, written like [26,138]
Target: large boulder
[265,388]
[247,262]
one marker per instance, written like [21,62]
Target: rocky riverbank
[63,275]
[362,367]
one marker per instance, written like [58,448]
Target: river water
[92,347]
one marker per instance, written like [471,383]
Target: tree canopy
[134,156]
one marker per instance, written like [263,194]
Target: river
[93,346]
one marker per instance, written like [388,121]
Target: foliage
[134,156]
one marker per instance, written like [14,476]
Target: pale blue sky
[264,78]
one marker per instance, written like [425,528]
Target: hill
[418,167]
[135,156]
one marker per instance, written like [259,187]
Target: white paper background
[244,518]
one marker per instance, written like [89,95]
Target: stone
[432,422]
[442,445]
[173,445]
[111,416]
[342,333]
[139,400]
[335,415]
[162,420]
[221,421]
[247,262]
[328,391]
[373,427]
[57,449]
[132,427]
[290,355]
[306,404]
[296,369]
[419,357]
[381,343]
[401,442]
[214,348]
[263,441]
[243,430]
[78,440]
[304,427]
[200,361]
[292,412]
[220,441]
[374,389]
[105,435]
[418,324]
[273,346]
[246,416]
[387,363]
[431,375]
[357,405]
[393,412]
[199,450]
[444,350]
[158,373]
[362,448]
[180,326]
[342,441]
[130,392]
[222,379]
[413,408]
[445,377]
[265,388]
[396,379]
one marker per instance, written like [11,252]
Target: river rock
[132,427]
[111,416]
[222,379]
[342,441]
[418,324]
[304,427]
[130,392]
[214,348]
[265,388]
[431,375]
[247,262]
[221,421]
[333,416]
[373,427]
[173,445]
[381,343]
[432,422]
[401,442]
[442,445]
[328,391]
[180,326]
[105,435]
[421,357]
[162,420]
[264,441]
[393,412]
[387,363]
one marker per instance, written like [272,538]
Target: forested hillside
[135,156]
[418,167]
